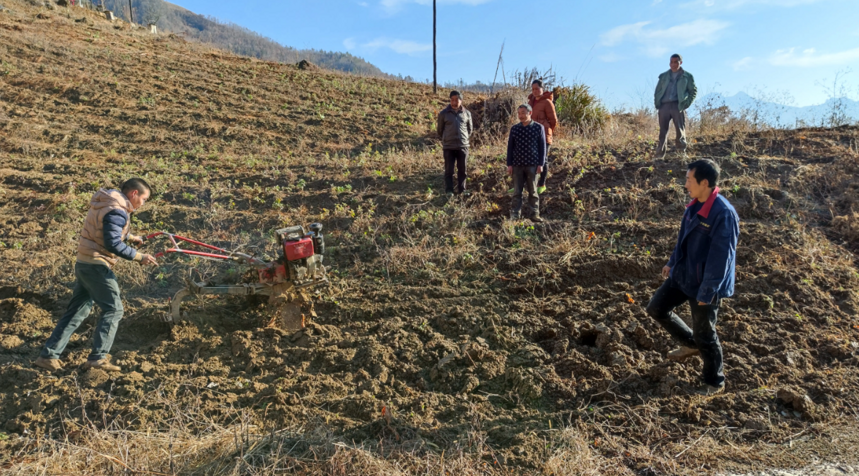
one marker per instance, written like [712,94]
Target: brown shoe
[102,364]
[682,353]
[51,365]
[536,218]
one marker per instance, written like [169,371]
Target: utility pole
[434,62]
[130,11]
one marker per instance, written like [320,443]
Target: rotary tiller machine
[284,280]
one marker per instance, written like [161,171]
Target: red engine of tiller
[302,256]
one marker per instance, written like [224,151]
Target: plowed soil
[446,328]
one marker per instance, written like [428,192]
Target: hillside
[109,89]
[234,38]
[451,341]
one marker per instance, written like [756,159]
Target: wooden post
[109,15]
[130,12]
[500,61]
[434,62]
[153,29]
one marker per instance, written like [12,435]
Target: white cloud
[655,42]
[619,33]
[406,47]
[744,64]
[810,58]
[802,58]
[732,4]
[611,57]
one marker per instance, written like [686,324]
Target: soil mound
[305,65]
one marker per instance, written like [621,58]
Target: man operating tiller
[101,245]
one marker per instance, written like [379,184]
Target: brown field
[451,341]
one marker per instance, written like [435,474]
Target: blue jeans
[95,283]
[702,336]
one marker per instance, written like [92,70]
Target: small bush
[578,108]
[494,115]
[523,79]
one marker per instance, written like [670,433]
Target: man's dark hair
[135,184]
[677,55]
[455,93]
[706,169]
[537,82]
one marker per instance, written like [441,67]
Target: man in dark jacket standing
[675,92]
[526,157]
[100,246]
[701,271]
[454,128]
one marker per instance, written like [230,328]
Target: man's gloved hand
[135,240]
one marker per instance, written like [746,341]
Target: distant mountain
[232,37]
[834,112]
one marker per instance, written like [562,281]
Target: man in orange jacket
[543,113]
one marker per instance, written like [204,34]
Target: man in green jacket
[454,128]
[675,92]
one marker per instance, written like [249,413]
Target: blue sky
[785,49]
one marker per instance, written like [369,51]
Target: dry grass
[185,444]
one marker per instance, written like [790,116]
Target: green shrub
[578,108]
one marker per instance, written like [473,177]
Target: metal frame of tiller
[279,279]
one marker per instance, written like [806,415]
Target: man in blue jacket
[101,244]
[701,271]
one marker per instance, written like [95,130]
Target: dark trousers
[525,178]
[545,173]
[702,336]
[95,283]
[456,157]
[669,112]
